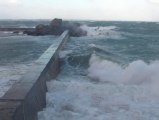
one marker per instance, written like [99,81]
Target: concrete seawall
[28,96]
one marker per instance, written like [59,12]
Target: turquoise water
[115,43]
[17,53]
[18,49]
[111,74]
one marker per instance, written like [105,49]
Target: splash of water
[121,93]
[106,31]
[136,73]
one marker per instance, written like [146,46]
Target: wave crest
[136,73]
[100,31]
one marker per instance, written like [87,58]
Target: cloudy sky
[133,10]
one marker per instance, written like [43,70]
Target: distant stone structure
[57,27]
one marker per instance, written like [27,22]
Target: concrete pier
[28,96]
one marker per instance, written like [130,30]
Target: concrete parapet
[28,96]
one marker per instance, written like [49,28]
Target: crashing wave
[107,31]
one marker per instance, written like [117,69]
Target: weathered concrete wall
[28,96]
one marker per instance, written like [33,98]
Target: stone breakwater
[28,96]
[55,27]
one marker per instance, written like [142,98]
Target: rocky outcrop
[16,30]
[57,27]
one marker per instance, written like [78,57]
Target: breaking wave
[136,73]
[100,31]
[110,92]
[115,83]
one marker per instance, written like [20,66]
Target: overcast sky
[133,10]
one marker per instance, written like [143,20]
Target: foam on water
[6,33]
[136,73]
[63,54]
[100,31]
[110,92]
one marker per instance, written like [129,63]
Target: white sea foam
[23,26]
[88,101]
[7,32]
[9,75]
[63,54]
[112,93]
[92,45]
[107,31]
[136,73]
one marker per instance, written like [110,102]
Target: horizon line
[27,19]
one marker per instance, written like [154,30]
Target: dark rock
[56,23]
[30,32]
[16,32]
[41,29]
[57,27]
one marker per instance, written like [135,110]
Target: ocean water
[21,23]
[18,52]
[111,74]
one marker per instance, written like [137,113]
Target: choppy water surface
[112,74]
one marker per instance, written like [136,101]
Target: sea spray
[89,101]
[118,82]
[135,73]
[100,31]
[113,96]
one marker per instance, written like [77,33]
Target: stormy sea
[110,74]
